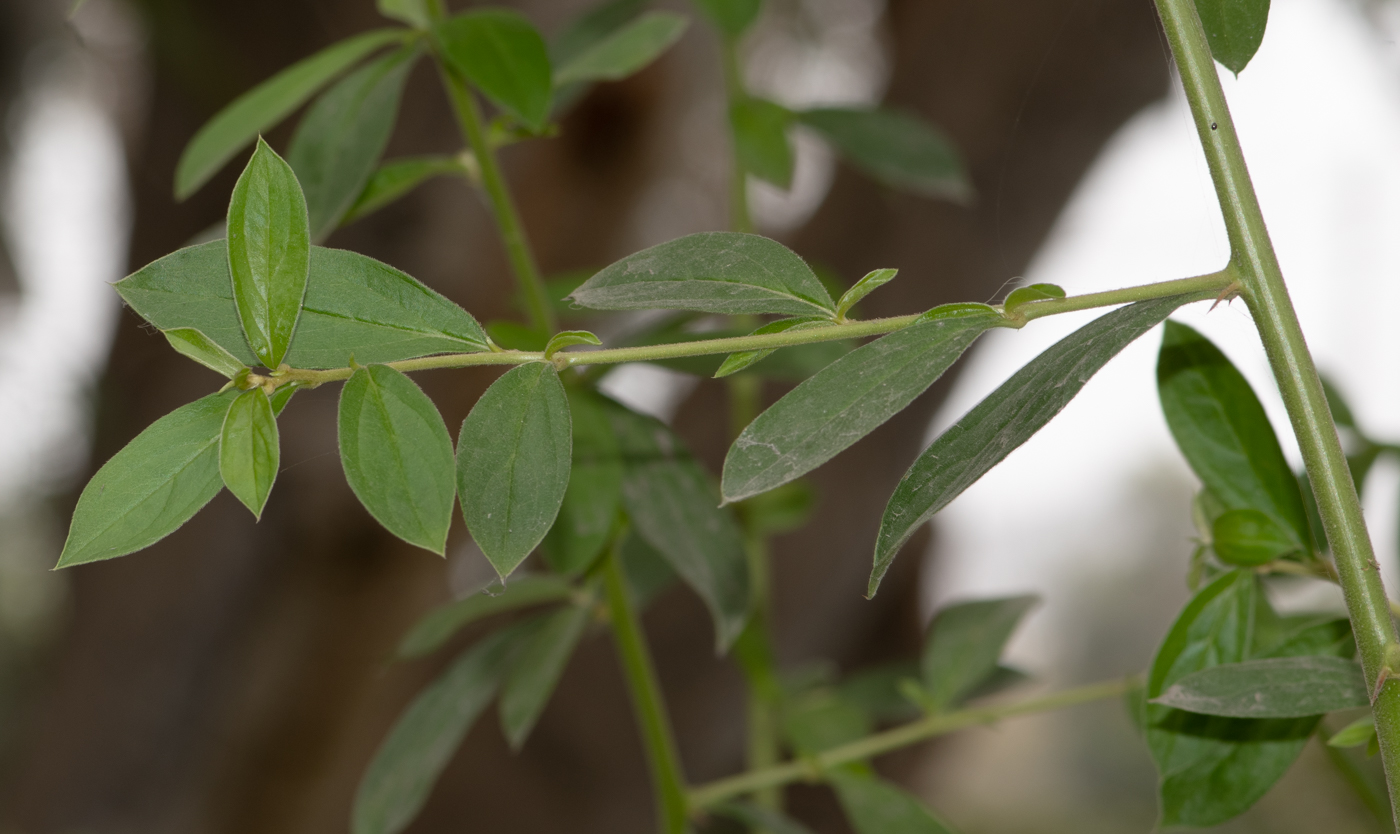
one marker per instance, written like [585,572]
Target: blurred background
[236,677]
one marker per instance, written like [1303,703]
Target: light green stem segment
[1252,257]
[813,768]
[740,219]
[522,260]
[1202,287]
[668,782]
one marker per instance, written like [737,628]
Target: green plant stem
[813,768]
[650,709]
[739,218]
[1197,289]
[1252,257]
[493,183]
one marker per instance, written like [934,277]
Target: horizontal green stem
[811,769]
[1201,287]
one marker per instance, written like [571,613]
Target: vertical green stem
[668,782]
[522,260]
[1252,258]
[734,92]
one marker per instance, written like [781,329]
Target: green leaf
[397,455]
[152,486]
[761,141]
[876,690]
[1249,538]
[267,104]
[269,253]
[1234,29]
[875,806]
[712,272]
[248,449]
[422,742]
[1034,292]
[897,149]
[412,12]
[437,626]
[758,818]
[843,402]
[1004,420]
[673,508]
[964,643]
[283,395]
[1359,732]
[396,178]
[1276,687]
[872,281]
[356,307]
[536,670]
[591,502]
[592,28]
[567,338]
[338,143]
[512,335]
[648,571]
[513,457]
[625,50]
[821,719]
[502,55]
[780,510]
[189,342]
[1222,430]
[745,359]
[731,16]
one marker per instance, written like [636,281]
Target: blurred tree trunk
[235,677]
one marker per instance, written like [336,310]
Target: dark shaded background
[234,678]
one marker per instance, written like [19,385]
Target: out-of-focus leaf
[872,281]
[513,457]
[189,342]
[1276,687]
[512,335]
[731,16]
[964,643]
[267,104]
[625,50]
[397,455]
[760,139]
[502,55]
[845,401]
[714,272]
[156,483]
[758,818]
[1359,732]
[899,150]
[1250,538]
[437,626]
[592,28]
[1234,29]
[397,177]
[1008,417]
[412,12]
[536,670]
[648,572]
[269,253]
[780,510]
[249,453]
[821,719]
[338,143]
[876,691]
[594,494]
[875,806]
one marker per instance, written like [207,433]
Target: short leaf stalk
[1262,287]
[667,779]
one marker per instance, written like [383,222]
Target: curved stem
[1252,256]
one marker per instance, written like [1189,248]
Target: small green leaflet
[1249,538]
[760,139]
[569,338]
[1008,417]
[1034,292]
[412,12]
[438,625]
[712,272]
[731,16]
[736,362]
[1234,29]
[356,307]
[820,719]
[396,178]
[964,643]
[592,28]
[397,455]
[249,453]
[872,281]
[502,55]
[536,670]
[875,806]
[189,342]
[513,457]
[269,253]
[403,771]
[152,486]
[1222,430]
[338,143]
[845,401]
[1276,687]
[1359,732]
[899,150]
[267,104]
[590,503]
[673,508]
[625,50]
